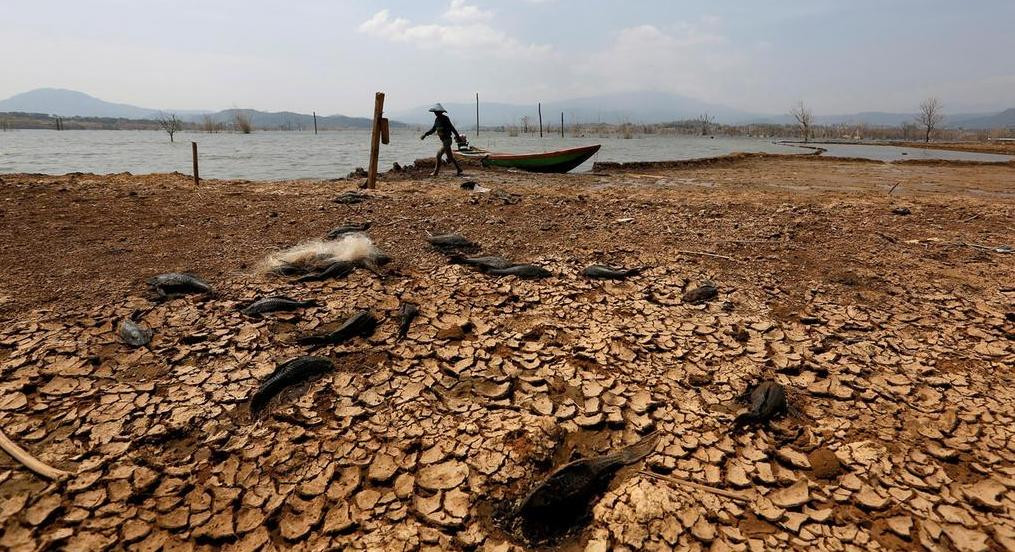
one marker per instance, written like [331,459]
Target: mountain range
[630,107]
[71,103]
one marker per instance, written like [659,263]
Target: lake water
[278,155]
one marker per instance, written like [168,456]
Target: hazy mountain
[878,118]
[632,107]
[71,103]
[1004,119]
[288,120]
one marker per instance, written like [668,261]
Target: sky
[330,56]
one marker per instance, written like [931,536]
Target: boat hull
[560,161]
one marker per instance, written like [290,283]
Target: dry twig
[29,461]
[685,483]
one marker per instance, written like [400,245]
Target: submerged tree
[242,121]
[169,123]
[930,116]
[804,118]
[706,120]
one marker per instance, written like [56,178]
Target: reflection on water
[276,155]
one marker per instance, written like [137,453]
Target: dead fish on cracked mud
[567,494]
[286,374]
[451,241]
[526,271]
[338,269]
[361,324]
[482,263]
[177,283]
[339,231]
[276,303]
[767,399]
[406,314]
[701,294]
[134,334]
[603,272]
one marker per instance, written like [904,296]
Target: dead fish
[361,324]
[575,484]
[701,294]
[482,263]
[288,270]
[406,314]
[451,241]
[526,271]
[276,303]
[338,269]
[351,198]
[766,400]
[353,228]
[603,272]
[134,334]
[288,373]
[176,283]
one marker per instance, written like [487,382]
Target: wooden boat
[559,161]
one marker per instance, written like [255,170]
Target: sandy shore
[894,341]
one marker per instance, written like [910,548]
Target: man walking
[444,129]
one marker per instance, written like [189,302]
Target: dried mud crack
[894,343]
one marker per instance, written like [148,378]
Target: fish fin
[641,449]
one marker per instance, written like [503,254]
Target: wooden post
[315,122]
[193,149]
[561,124]
[539,107]
[477,114]
[375,140]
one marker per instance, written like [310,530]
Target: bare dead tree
[242,121]
[930,116]
[208,124]
[169,123]
[525,123]
[804,118]
[705,120]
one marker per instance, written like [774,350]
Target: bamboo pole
[375,140]
[315,122]
[477,114]
[193,149]
[561,124]
[539,107]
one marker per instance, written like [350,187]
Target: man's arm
[453,129]
[429,132]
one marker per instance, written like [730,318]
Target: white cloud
[461,12]
[693,59]
[468,38]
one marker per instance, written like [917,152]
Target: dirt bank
[893,339]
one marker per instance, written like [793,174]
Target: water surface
[279,155]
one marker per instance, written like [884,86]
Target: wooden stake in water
[375,140]
[477,114]
[315,122]
[561,124]
[193,150]
[539,107]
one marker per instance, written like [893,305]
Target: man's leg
[451,157]
[437,164]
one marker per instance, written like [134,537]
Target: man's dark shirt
[443,127]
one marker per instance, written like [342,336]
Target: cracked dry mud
[895,347]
